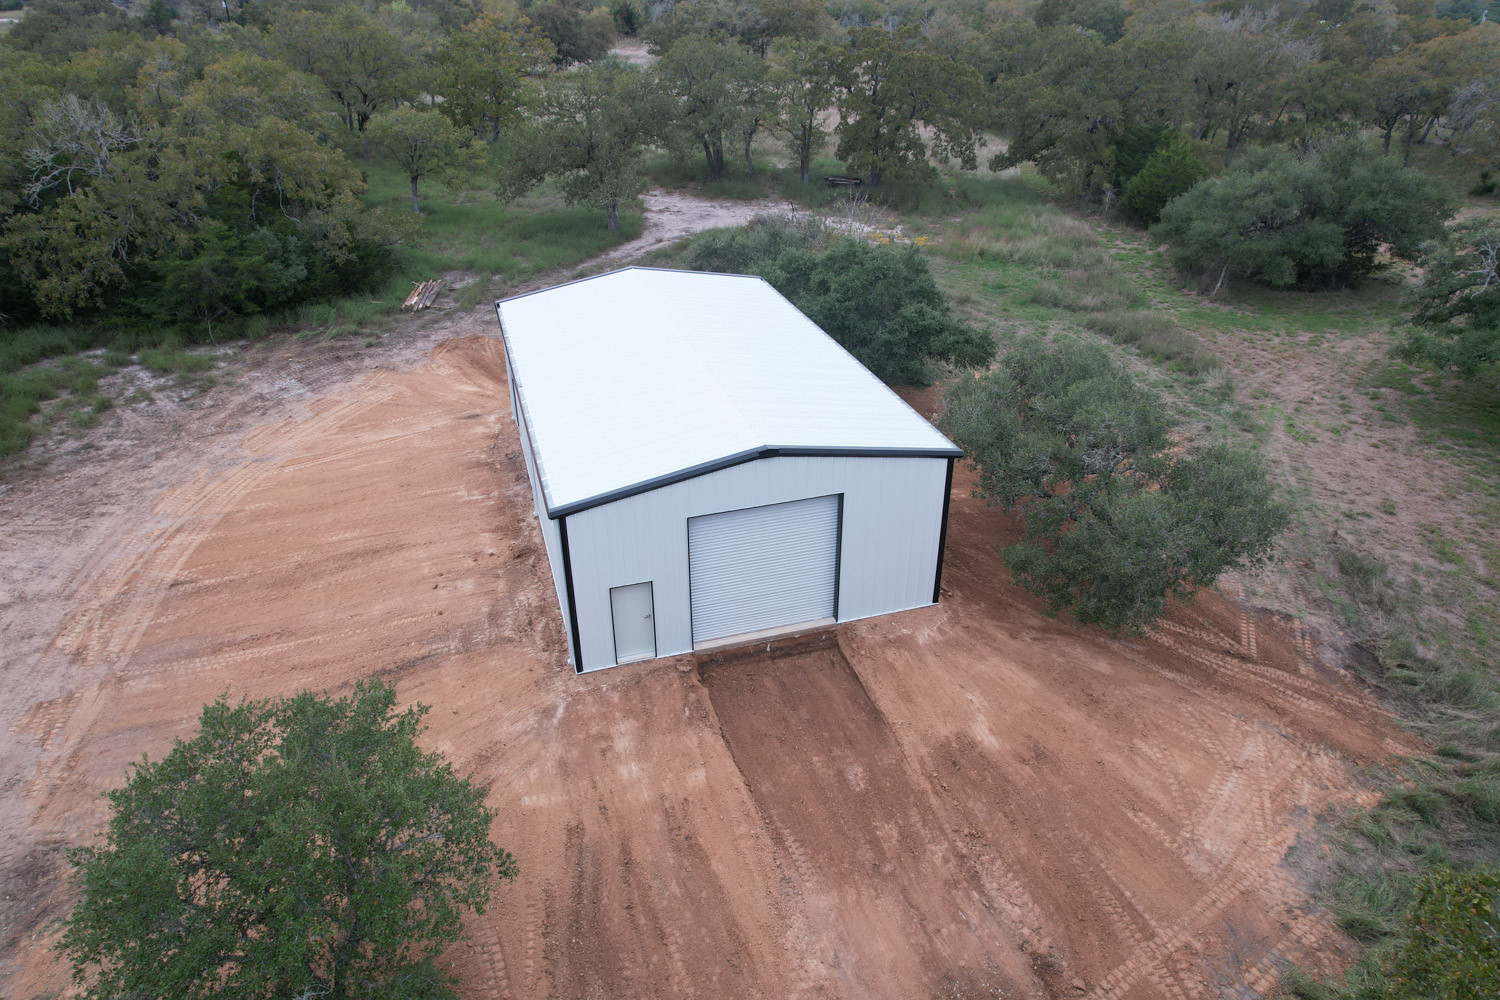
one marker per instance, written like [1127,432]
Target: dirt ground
[971,800]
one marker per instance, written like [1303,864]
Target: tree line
[185,161]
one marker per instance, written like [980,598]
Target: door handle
[646,615]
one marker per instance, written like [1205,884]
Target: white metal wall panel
[763,567]
[551,533]
[892,517]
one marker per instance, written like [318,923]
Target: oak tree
[302,846]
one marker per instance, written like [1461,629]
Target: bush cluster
[878,300]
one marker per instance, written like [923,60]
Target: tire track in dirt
[964,798]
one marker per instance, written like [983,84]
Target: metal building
[709,467]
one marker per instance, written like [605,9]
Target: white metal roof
[641,377]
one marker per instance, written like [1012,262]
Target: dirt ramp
[897,901]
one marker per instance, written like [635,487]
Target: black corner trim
[567,567]
[740,458]
[937,575]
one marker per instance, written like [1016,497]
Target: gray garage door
[763,567]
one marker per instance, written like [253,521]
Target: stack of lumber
[422,294]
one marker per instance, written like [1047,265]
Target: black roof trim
[740,458]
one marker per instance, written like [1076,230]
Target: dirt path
[971,800]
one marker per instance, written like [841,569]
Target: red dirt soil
[971,800]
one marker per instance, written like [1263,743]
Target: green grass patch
[72,382]
[1155,336]
[472,230]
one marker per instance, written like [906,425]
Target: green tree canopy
[576,37]
[880,301]
[1171,169]
[900,102]
[242,158]
[483,67]
[590,129]
[304,846]
[1455,308]
[1317,217]
[716,88]
[1115,524]
[802,91]
[424,144]
[753,23]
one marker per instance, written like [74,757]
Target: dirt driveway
[966,801]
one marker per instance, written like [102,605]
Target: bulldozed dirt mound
[971,800]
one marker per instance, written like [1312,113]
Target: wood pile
[422,295]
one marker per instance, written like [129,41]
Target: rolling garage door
[763,567]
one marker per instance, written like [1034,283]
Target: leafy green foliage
[1318,219]
[296,847]
[1106,18]
[801,88]
[424,144]
[576,37]
[590,129]
[1452,947]
[1114,523]
[715,92]
[879,301]
[1172,169]
[753,23]
[483,67]
[1455,308]
[197,194]
[900,102]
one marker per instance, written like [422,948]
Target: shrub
[1170,171]
[300,847]
[1455,308]
[1317,217]
[879,301]
[1114,523]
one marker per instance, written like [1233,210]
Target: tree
[1239,75]
[802,91]
[56,28]
[1170,171]
[482,68]
[879,301]
[424,144]
[753,23]
[1114,523]
[900,102]
[363,61]
[575,37]
[714,86]
[238,161]
[1068,102]
[1455,308]
[1315,217]
[590,128]
[303,846]
[1104,17]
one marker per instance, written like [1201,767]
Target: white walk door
[635,626]
[763,567]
